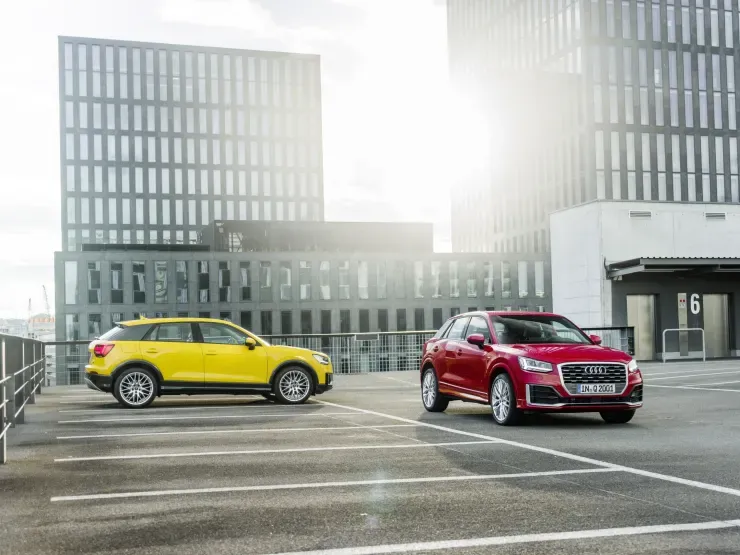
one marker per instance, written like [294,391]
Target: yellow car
[139,360]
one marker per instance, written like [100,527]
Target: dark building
[595,100]
[160,140]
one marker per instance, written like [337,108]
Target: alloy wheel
[429,389]
[500,399]
[136,388]
[295,385]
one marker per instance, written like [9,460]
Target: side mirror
[596,339]
[250,342]
[477,339]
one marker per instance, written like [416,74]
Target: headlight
[632,366]
[321,359]
[531,365]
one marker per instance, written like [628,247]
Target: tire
[135,388]
[430,396]
[503,401]
[617,416]
[293,385]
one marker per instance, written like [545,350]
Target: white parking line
[693,387]
[718,383]
[407,382]
[695,375]
[202,417]
[524,538]
[321,485]
[271,451]
[238,431]
[563,454]
[172,408]
[696,370]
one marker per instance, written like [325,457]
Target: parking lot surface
[364,469]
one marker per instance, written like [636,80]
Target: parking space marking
[524,538]
[718,383]
[321,485]
[237,431]
[702,374]
[388,446]
[562,454]
[695,388]
[400,380]
[647,372]
[202,417]
[168,408]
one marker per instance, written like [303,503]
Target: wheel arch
[301,364]
[138,364]
[498,369]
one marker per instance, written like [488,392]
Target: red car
[527,361]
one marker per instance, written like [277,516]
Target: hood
[560,353]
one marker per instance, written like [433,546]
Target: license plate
[596,388]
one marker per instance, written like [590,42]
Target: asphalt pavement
[364,469]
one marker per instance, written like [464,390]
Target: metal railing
[67,360]
[359,353]
[22,367]
[679,330]
[622,338]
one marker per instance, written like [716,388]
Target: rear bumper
[327,385]
[98,382]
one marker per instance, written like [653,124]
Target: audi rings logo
[595,370]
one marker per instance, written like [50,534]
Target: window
[539,279]
[418,280]
[304,280]
[488,279]
[93,325]
[306,322]
[479,325]
[383,320]
[93,283]
[344,280]
[266,322]
[382,284]
[221,334]
[245,319]
[437,318]
[181,281]
[116,283]
[265,281]
[454,280]
[401,319]
[286,322]
[224,282]
[286,281]
[204,282]
[472,281]
[72,325]
[139,282]
[362,280]
[458,328]
[245,285]
[181,333]
[325,281]
[71,286]
[505,280]
[512,330]
[399,274]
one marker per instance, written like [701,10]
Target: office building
[619,121]
[159,140]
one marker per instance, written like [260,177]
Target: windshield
[511,330]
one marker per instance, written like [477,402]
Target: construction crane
[46,300]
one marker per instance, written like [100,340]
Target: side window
[479,325]
[180,333]
[458,328]
[223,335]
[443,330]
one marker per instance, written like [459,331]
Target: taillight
[102,349]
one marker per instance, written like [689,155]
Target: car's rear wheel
[293,385]
[431,398]
[135,388]
[617,416]
[503,401]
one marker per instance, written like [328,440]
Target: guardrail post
[4,412]
[32,376]
[20,417]
[42,364]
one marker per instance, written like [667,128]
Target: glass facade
[237,131]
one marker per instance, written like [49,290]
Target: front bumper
[98,383]
[327,385]
[546,392]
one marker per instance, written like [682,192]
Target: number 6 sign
[695,304]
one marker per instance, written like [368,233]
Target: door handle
[152,350]
[211,352]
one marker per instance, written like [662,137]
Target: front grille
[577,373]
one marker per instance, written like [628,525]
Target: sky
[384,75]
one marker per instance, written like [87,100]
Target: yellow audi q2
[139,360]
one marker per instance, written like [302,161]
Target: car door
[451,348]
[472,360]
[227,360]
[171,348]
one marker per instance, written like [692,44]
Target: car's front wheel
[503,401]
[617,416]
[431,398]
[135,388]
[293,385]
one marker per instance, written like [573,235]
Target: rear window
[126,333]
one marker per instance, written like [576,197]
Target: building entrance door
[641,316]
[716,325]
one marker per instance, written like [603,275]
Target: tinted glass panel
[457,329]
